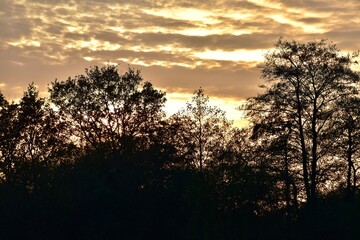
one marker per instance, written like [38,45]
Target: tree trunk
[287,179]
[287,185]
[314,156]
[349,191]
[200,147]
[302,143]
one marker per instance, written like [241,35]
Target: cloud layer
[179,45]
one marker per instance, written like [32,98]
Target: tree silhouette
[42,139]
[107,107]
[348,134]
[205,128]
[9,134]
[273,139]
[308,79]
[32,141]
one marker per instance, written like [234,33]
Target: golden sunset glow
[178,45]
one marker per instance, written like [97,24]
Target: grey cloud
[334,6]
[311,20]
[19,76]
[139,19]
[62,11]
[90,4]
[241,83]
[77,36]
[310,4]
[13,22]
[259,24]
[148,57]
[54,29]
[345,39]
[164,22]
[54,2]
[186,3]
[98,21]
[244,4]
[109,36]
[226,42]
[14,29]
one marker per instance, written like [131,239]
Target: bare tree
[307,79]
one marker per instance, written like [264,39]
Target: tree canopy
[105,106]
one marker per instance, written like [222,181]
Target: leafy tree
[107,107]
[43,143]
[9,137]
[33,141]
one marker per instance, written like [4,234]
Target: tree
[9,136]
[348,134]
[307,80]
[43,143]
[33,141]
[106,107]
[272,138]
[205,129]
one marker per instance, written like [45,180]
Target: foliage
[107,107]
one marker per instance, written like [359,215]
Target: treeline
[99,159]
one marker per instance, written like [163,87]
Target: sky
[178,45]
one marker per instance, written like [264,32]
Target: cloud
[226,42]
[178,44]
[238,84]
[13,21]
[345,38]
[310,20]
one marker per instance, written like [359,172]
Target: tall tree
[307,79]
